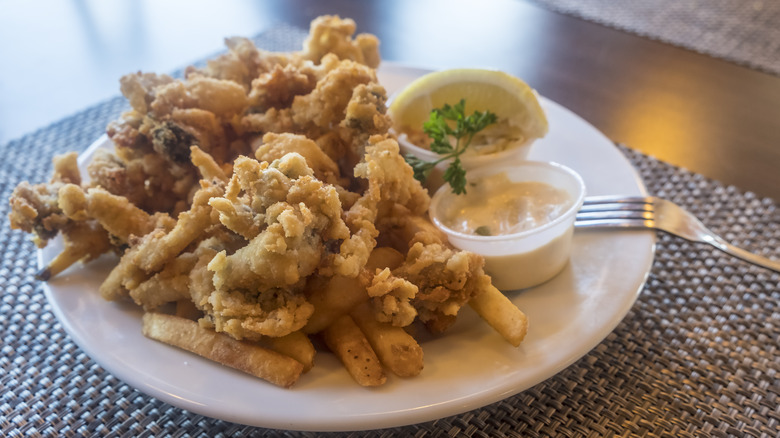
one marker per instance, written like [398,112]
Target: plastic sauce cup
[531,257]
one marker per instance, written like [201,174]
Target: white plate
[470,367]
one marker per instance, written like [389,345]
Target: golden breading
[389,180]
[243,63]
[300,215]
[223,98]
[392,298]
[139,89]
[124,277]
[325,107]
[275,146]
[331,34]
[208,167]
[277,88]
[121,218]
[160,246]
[83,242]
[263,196]
[169,285]
[35,208]
[447,279]
[389,177]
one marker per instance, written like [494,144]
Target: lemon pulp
[511,99]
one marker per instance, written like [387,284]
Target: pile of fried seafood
[258,204]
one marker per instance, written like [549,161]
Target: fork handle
[749,257]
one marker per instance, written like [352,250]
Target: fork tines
[617,211]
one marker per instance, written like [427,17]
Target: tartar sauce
[495,205]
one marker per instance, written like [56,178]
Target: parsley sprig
[440,129]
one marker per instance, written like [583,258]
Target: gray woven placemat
[698,355]
[742,31]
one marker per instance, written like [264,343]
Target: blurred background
[60,56]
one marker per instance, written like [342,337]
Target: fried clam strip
[324,108]
[275,146]
[358,113]
[242,63]
[390,181]
[332,34]
[115,213]
[365,116]
[446,280]
[337,109]
[329,35]
[152,166]
[62,206]
[171,284]
[99,222]
[35,209]
[208,167]
[149,254]
[82,242]
[258,288]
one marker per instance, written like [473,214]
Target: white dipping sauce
[494,205]
[519,216]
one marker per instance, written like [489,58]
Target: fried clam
[35,208]
[258,288]
[262,200]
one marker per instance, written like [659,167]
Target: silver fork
[658,214]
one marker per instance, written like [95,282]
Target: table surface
[696,355]
[704,114]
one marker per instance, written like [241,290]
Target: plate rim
[374,421]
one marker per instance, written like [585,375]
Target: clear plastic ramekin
[530,257]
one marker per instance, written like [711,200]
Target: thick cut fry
[296,345]
[350,345]
[341,294]
[498,311]
[397,350]
[268,365]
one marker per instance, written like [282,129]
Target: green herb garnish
[440,128]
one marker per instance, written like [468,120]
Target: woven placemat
[744,32]
[698,355]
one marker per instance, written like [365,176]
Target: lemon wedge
[511,99]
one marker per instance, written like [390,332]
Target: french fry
[341,294]
[266,364]
[397,350]
[296,345]
[350,345]
[498,311]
